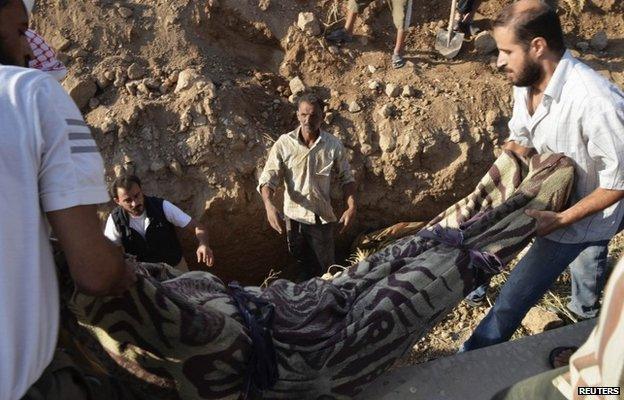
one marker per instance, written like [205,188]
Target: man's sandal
[397,61]
[557,351]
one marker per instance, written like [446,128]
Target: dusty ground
[202,143]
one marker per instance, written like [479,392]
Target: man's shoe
[475,302]
[339,36]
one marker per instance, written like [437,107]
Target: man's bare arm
[349,215]
[272,213]
[96,265]
[204,252]
[598,200]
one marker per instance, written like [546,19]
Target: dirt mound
[190,95]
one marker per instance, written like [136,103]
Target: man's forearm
[95,263]
[267,196]
[201,233]
[596,201]
[349,195]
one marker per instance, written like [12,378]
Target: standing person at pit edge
[466,10]
[145,226]
[306,160]
[560,106]
[401,16]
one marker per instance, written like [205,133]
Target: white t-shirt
[48,162]
[172,213]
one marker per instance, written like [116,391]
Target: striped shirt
[600,361]
[307,175]
[581,116]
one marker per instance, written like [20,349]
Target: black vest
[160,244]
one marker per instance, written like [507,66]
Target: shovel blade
[442,45]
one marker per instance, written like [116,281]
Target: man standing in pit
[306,160]
[145,226]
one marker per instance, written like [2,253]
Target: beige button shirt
[307,175]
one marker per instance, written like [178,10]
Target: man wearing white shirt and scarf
[561,106]
[51,175]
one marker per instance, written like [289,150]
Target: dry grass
[272,276]
[333,14]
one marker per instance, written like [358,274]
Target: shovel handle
[451,20]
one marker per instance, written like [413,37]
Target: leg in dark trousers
[298,247]
[320,239]
[312,246]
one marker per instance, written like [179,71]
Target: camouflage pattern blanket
[181,335]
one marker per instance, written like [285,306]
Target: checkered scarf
[45,58]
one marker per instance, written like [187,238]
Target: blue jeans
[533,276]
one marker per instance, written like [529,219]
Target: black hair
[527,24]
[4,3]
[310,98]
[124,182]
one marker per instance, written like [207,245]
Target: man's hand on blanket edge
[347,219]
[128,280]
[519,149]
[598,200]
[546,221]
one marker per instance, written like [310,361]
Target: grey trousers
[312,246]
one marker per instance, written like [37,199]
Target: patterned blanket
[181,335]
